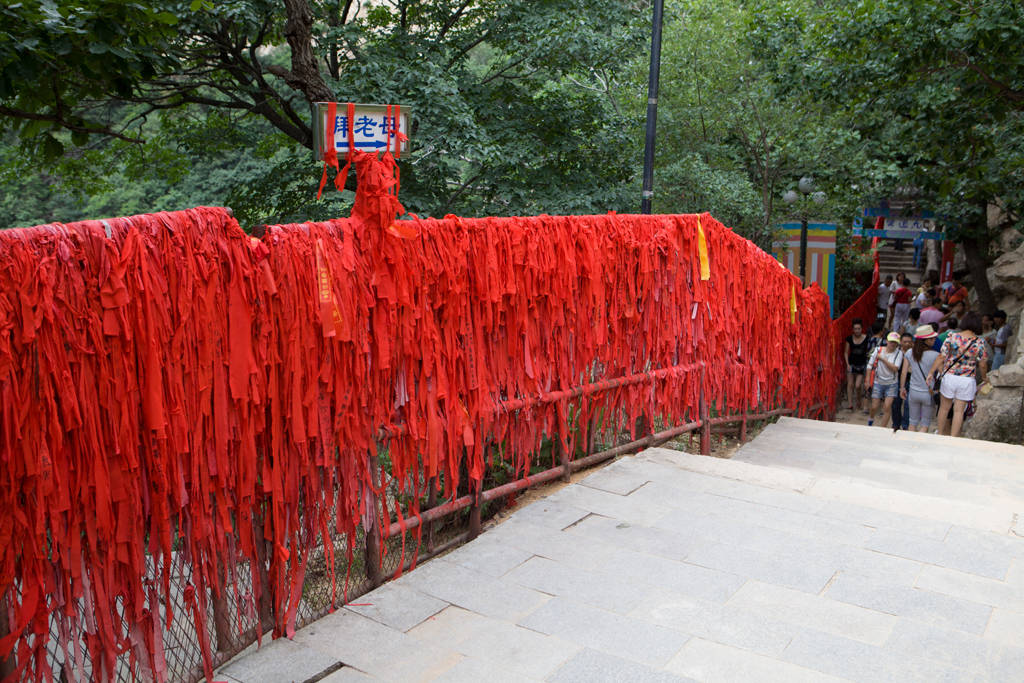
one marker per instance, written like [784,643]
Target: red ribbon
[177,398]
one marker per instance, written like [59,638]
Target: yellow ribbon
[792,303]
[702,253]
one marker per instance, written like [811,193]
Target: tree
[942,95]
[512,101]
[733,139]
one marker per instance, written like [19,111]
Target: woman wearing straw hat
[886,361]
[917,366]
[962,357]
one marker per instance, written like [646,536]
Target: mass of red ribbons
[181,401]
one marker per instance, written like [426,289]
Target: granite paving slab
[822,552]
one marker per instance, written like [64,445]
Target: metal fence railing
[235,619]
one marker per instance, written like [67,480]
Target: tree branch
[452,20]
[64,123]
[473,43]
[1005,89]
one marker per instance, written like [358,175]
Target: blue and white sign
[909,224]
[372,129]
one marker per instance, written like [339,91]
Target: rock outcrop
[1006,277]
[998,412]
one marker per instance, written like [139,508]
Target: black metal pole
[803,251]
[652,109]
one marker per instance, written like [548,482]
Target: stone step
[926,449]
[1000,516]
[667,564]
[922,464]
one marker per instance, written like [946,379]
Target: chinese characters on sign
[372,129]
[910,224]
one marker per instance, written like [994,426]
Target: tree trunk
[976,253]
[305,73]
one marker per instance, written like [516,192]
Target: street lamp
[647,190]
[806,187]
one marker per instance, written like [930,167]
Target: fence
[198,427]
[865,308]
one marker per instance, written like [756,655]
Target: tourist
[956,312]
[901,305]
[957,294]
[924,293]
[930,312]
[886,361]
[988,333]
[884,293]
[945,289]
[876,339]
[897,284]
[913,322]
[1002,338]
[900,411]
[962,357]
[920,406]
[952,325]
[906,342]
[856,364]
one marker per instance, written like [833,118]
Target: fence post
[431,502]
[221,617]
[266,606]
[8,665]
[371,556]
[592,434]
[474,514]
[563,458]
[705,418]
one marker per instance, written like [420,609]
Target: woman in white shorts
[963,358]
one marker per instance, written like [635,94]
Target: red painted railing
[864,309]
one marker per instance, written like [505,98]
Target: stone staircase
[892,261]
[821,552]
[915,472]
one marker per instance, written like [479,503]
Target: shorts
[858,369]
[885,390]
[961,388]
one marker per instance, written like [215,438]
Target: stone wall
[998,412]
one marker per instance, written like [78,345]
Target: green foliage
[942,96]
[513,107]
[733,136]
[56,55]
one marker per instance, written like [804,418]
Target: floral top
[974,351]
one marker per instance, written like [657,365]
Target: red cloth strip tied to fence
[182,399]
[864,309]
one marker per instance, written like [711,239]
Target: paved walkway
[820,552]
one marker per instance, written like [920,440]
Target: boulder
[1009,239]
[1007,275]
[997,416]
[1009,375]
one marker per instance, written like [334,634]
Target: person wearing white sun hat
[917,366]
[887,362]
